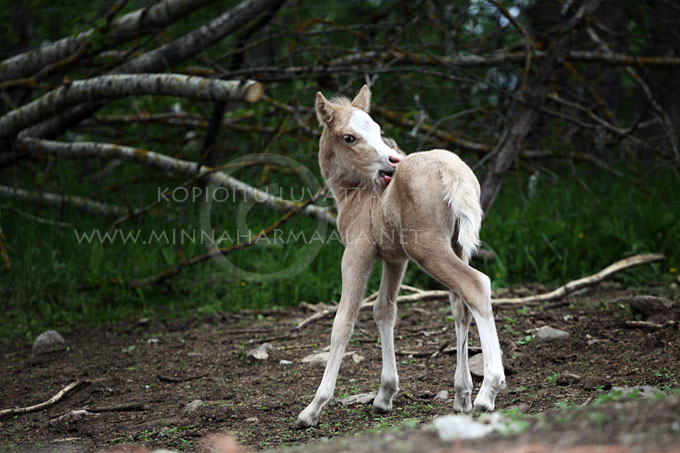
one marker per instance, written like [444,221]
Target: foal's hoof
[305,421]
[482,406]
[381,408]
[462,403]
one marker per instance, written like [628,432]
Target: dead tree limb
[122,85]
[170,164]
[44,405]
[54,199]
[160,59]
[123,29]
[580,283]
[526,113]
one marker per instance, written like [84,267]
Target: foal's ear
[363,99]
[324,109]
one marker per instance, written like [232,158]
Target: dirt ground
[159,366]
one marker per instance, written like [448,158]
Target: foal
[423,207]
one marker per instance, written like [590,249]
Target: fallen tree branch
[507,302]
[54,199]
[129,26]
[44,405]
[122,85]
[167,163]
[584,282]
[34,218]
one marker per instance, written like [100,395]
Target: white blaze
[369,130]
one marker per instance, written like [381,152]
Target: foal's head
[352,149]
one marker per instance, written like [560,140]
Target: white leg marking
[462,380]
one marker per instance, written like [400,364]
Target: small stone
[285,362]
[568,379]
[476,363]
[261,352]
[596,341]
[547,333]
[361,398]
[192,406]
[252,420]
[70,417]
[523,408]
[48,341]
[441,396]
[595,382]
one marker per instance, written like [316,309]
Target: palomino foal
[425,207]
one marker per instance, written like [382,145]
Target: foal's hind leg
[435,255]
[462,380]
[385,314]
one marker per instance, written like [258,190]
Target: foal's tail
[461,192]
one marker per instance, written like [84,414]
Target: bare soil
[162,365]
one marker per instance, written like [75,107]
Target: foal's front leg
[357,262]
[385,314]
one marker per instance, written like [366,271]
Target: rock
[70,417]
[547,333]
[644,391]
[261,352]
[285,362]
[594,382]
[568,379]
[361,398]
[596,341]
[192,406]
[48,341]
[459,427]
[322,357]
[476,363]
[442,396]
[649,306]
[252,420]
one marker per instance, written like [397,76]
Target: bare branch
[44,405]
[53,199]
[170,164]
[125,28]
[121,85]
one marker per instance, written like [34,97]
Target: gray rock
[361,398]
[48,341]
[192,406]
[649,306]
[261,352]
[594,382]
[477,365]
[547,333]
[252,420]
[441,396]
[568,379]
[71,417]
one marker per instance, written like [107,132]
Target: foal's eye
[348,138]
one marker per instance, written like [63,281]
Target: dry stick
[34,218]
[50,402]
[118,408]
[54,199]
[575,285]
[4,256]
[513,302]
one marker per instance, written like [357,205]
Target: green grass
[560,233]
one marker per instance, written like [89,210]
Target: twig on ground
[580,283]
[44,405]
[177,380]
[118,408]
[650,324]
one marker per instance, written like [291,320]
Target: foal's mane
[340,101]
